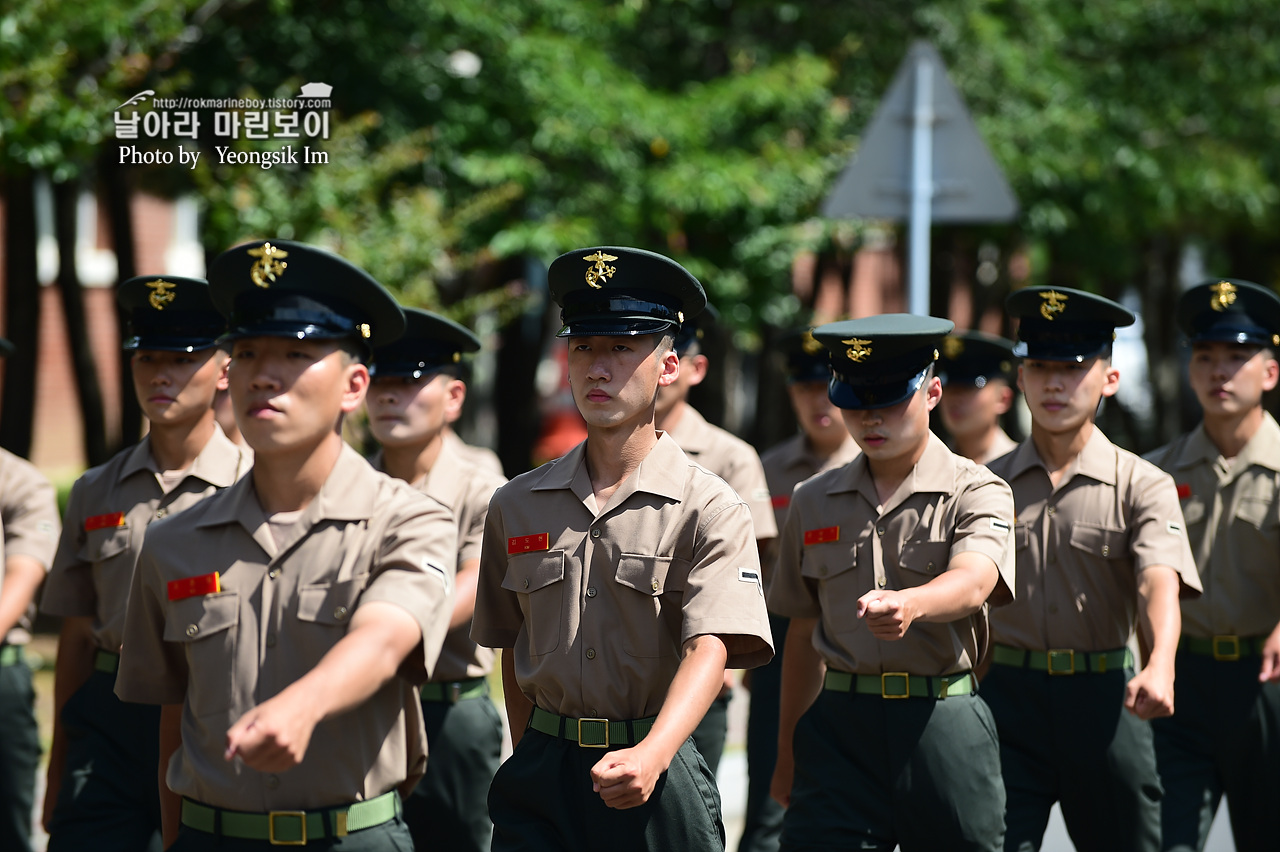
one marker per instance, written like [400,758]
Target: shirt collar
[219,463]
[1097,460]
[662,472]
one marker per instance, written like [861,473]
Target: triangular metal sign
[968,185]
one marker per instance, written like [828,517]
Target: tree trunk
[22,313]
[118,195]
[96,449]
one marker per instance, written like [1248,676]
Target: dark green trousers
[19,756]
[448,811]
[872,773]
[1068,739]
[762,822]
[1223,739]
[541,801]
[392,836]
[711,732]
[109,799]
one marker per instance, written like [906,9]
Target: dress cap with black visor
[1230,310]
[616,291]
[880,361]
[169,313]
[279,288]
[430,344]
[804,358]
[972,359]
[1062,324]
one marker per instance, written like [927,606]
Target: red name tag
[190,587]
[1184,490]
[102,522]
[528,543]
[821,536]
[782,501]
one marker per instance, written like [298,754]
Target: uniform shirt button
[882,583]
[591,591]
[271,640]
[929,567]
[160,513]
[271,781]
[1106,551]
[595,532]
[879,530]
[655,585]
[192,630]
[340,613]
[273,573]
[526,584]
[591,653]
[1050,511]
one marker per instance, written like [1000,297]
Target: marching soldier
[284,623]
[620,580]
[415,388]
[1100,549]
[102,785]
[1225,737]
[886,567]
[975,370]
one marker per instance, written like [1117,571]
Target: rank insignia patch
[822,536]
[191,587]
[528,543]
[103,522]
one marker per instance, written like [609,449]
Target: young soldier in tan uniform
[281,622]
[414,389]
[975,370]
[821,444]
[1100,548]
[728,457]
[621,580]
[29,514]
[1225,737]
[885,568]
[102,791]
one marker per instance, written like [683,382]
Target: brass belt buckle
[301,816]
[884,684]
[604,744]
[1055,654]
[1231,642]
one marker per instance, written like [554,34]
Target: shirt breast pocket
[921,561]
[651,603]
[102,546]
[538,578]
[1100,541]
[205,626]
[330,604]
[833,567]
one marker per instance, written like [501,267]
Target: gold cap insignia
[952,347]
[364,330]
[268,266]
[457,356]
[858,349]
[1224,295]
[1005,366]
[680,316]
[161,293]
[600,270]
[810,344]
[1054,303]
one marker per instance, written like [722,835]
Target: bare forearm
[464,594]
[802,672]
[519,707]
[957,592]
[22,577]
[1159,616]
[698,681]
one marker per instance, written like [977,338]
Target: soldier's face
[406,411]
[289,395]
[1230,378]
[818,417]
[1063,395]
[176,388]
[969,410]
[897,432]
[615,379]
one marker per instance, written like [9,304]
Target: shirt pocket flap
[1099,541]
[101,545]
[1021,535]
[824,561]
[650,575]
[925,557]
[196,618]
[329,603]
[529,572]
[1254,511]
[1193,511]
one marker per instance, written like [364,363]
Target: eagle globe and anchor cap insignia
[1224,295]
[810,344]
[858,350]
[161,293]
[601,269]
[269,265]
[1054,303]
[952,347]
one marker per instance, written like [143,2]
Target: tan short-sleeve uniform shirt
[108,513]
[733,460]
[597,601]
[29,514]
[465,490]
[482,457]
[1232,512]
[788,464]
[280,608]
[1081,546]
[839,542]
[1000,445]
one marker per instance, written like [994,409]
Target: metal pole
[921,187]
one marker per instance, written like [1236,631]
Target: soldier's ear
[1270,371]
[670,368]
